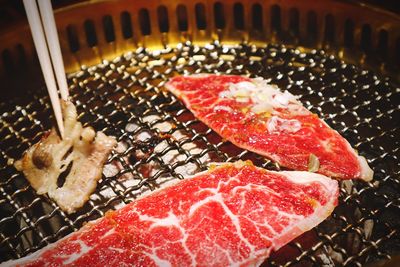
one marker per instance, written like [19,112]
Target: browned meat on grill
[79,158]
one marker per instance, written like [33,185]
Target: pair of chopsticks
[44,32]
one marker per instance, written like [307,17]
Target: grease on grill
[129,90]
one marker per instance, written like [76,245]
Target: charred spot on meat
[41,157]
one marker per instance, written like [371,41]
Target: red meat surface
[277,126]
[234,214]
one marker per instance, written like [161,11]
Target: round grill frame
[123,89]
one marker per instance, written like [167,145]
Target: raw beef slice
[257,116]
[234,214]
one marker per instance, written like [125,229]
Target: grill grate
[159,138]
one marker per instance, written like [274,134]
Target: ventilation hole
[108,26]
[348,33]
[61,178]
[200,11]
[275,18]
[383,40]
[329,34]
[219,16]
[397,57]
[126,24]
[73,40]
[366,38]
[163,21]
[238,16]
[7,60]
[90,31]
[294,24]
[181,13]
[144,21]
[21,54]
[257,15]
[312,27]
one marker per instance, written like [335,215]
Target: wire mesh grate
[159,139]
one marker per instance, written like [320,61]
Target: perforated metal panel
[160,138]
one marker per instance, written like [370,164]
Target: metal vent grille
[160,138]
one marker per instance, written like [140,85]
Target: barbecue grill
[341,57]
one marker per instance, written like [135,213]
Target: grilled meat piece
[67,169]
[234,214]
[257,116]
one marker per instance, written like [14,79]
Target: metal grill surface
[159,138]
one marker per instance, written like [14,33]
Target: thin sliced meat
[257,116]
[234,214]
[78,158]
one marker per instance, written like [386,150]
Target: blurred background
[12,10]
